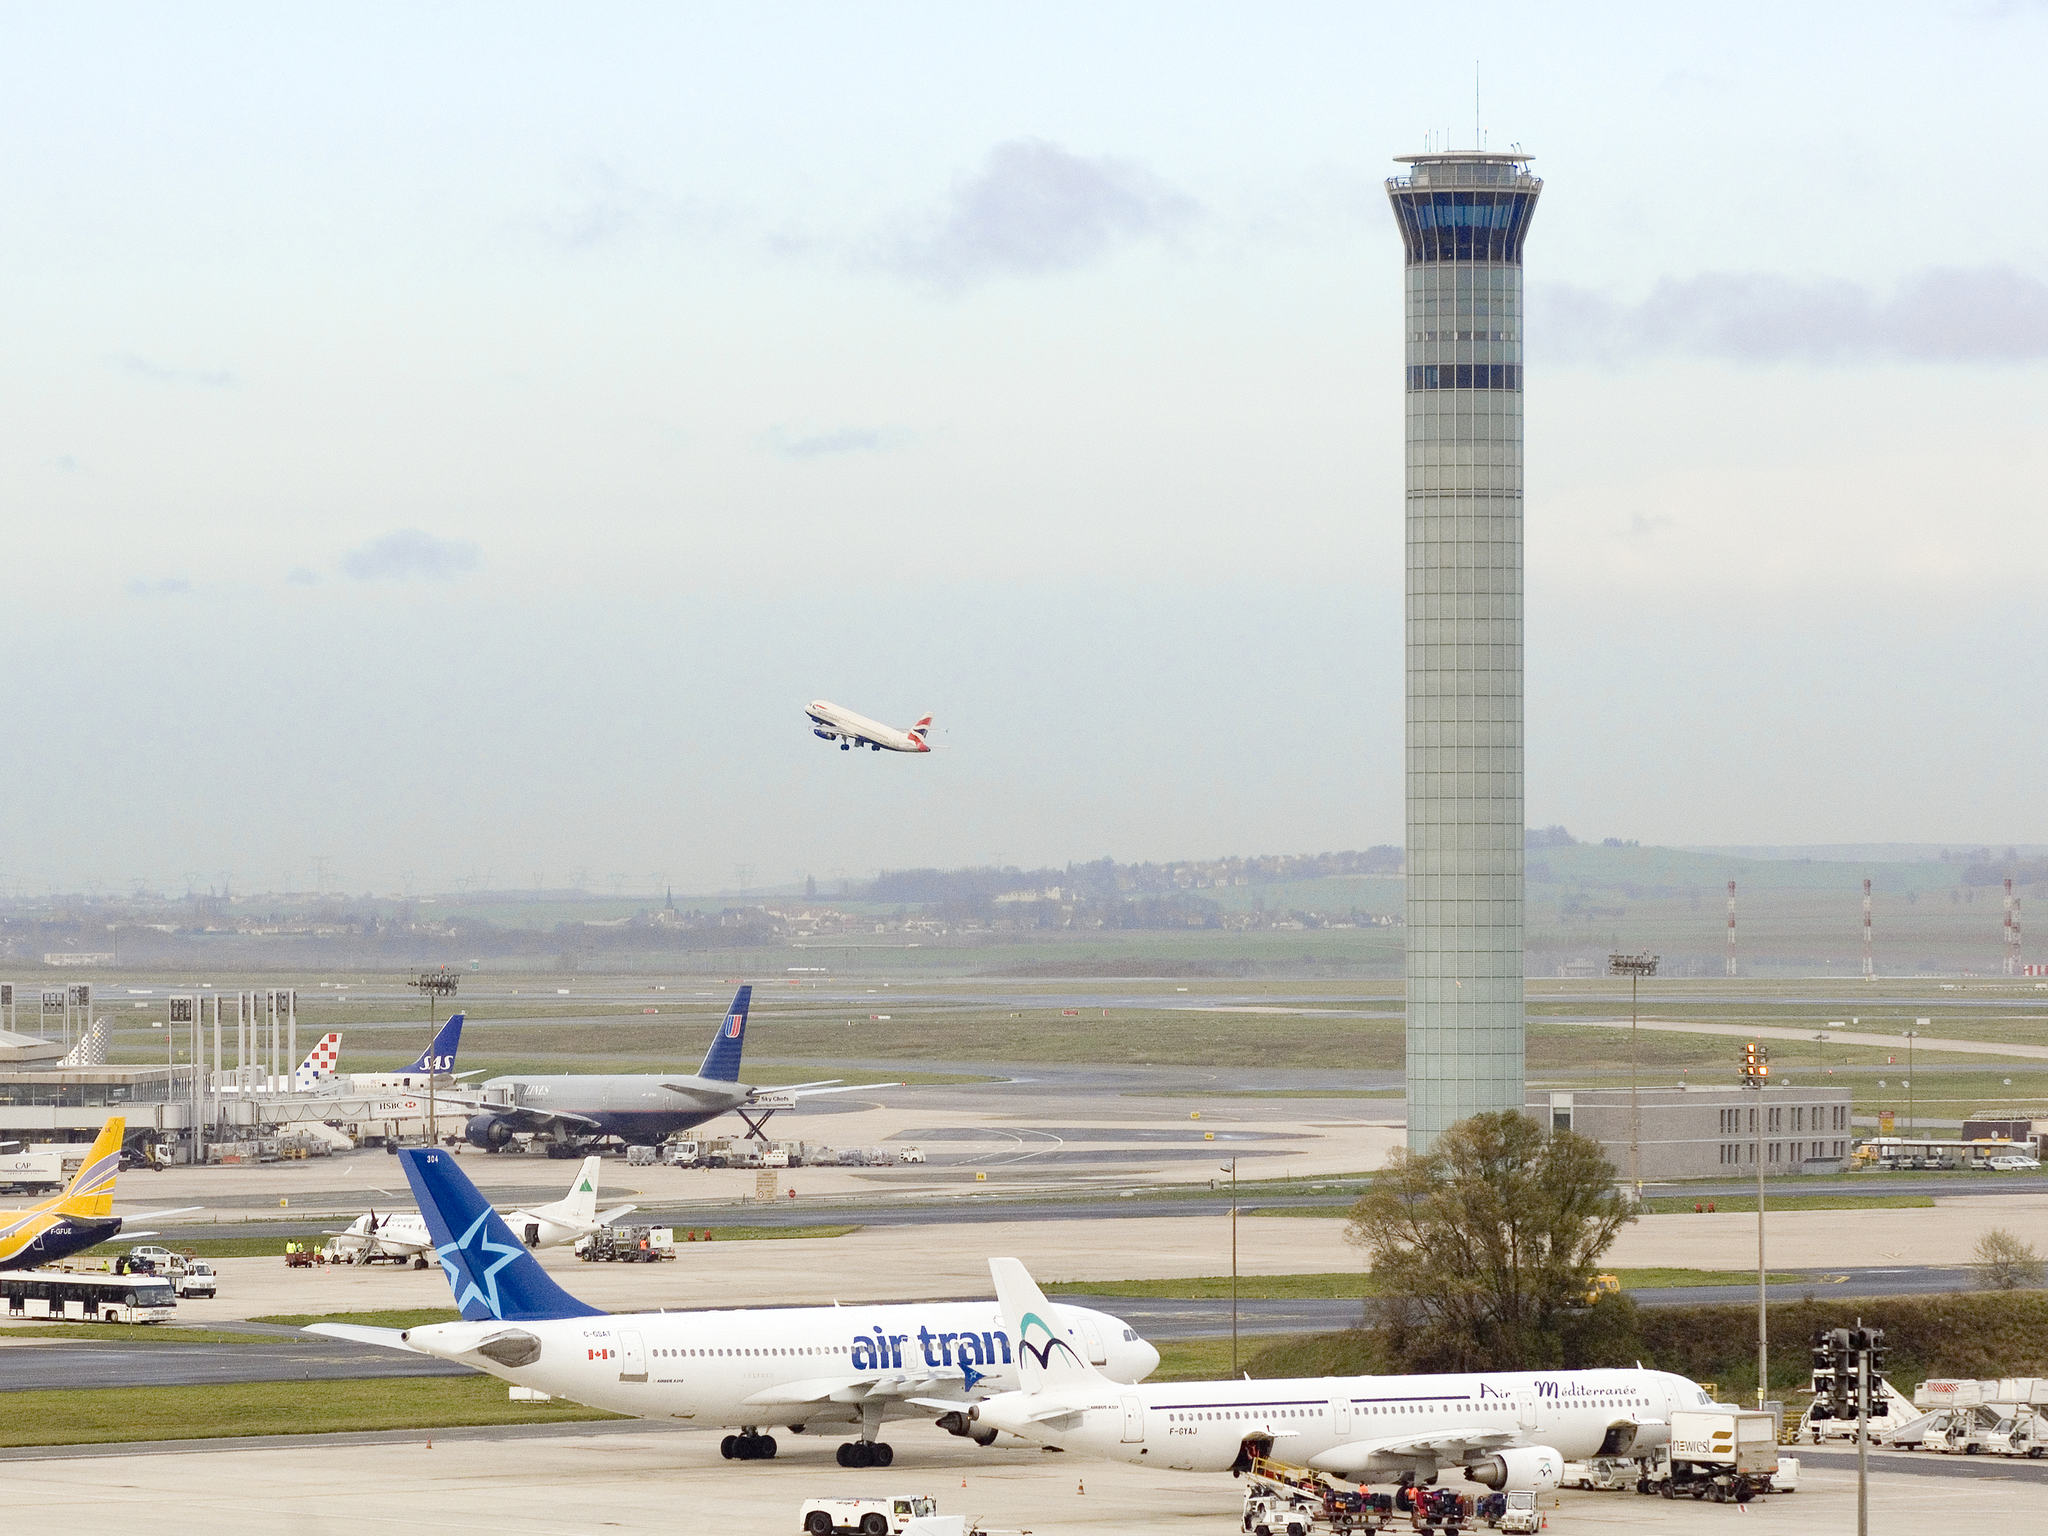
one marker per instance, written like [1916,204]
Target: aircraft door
[1097,1354]
[531,1234]
[1525,1409]
[632,1357]
[1340,1416]
[1134,1420]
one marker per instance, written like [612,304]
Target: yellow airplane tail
[91,1191]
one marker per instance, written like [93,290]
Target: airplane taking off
[810,1368]
[641,1108]
[1504,1429]
[79,1217]
[831,723]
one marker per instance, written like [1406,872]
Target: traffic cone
[430,1442]
[1080,1487]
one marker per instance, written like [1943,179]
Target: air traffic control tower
[1463,219]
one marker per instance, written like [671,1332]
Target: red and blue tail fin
[722,1061]
[490,1271]
[920,731]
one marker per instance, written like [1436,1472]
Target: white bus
[58,1296]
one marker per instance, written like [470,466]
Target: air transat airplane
[1504,1429]
[809,1368]
[642,1108]
[79,1217]
[831,723]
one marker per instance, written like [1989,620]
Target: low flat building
[1701,1133]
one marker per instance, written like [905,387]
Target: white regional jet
[1504,1429]
[809,1368]
[403,1235]
[831,723]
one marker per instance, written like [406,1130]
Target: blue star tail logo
[483,1288]
[973,1377]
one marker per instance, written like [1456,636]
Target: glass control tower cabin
[1463,219]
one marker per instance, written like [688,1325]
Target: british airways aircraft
[1503,1429]
[638,1108]
[831,723]
[810,1369]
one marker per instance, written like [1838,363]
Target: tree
[2005,1262]
[1483,1248]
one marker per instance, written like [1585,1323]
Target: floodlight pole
[434,986]
[1756,1070]
[1231,1169]
[1634,967]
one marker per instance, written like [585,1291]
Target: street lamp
[433,986]
[1911,1036]
[1756,1073]
[1231,1169]
[1635,968]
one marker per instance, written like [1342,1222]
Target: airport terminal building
[1698,1133]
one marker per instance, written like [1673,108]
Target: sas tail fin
[1050,1350]
[580,1204]
[91,1050]
[489,1270]
[722,1061]
[439,1056]
[91,1191]
[323,1060]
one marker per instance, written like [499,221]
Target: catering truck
[1717,1453]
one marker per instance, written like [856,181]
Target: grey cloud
[1941,315]
[1032,208]
[163,586]
[155,373]
[410,552]
[818,445]
[302,576]
[603,206]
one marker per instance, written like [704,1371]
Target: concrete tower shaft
[1463,220]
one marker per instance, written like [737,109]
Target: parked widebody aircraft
[638,1108]
[1504,1429]
[831,723]
[808,1368]
[78,1217]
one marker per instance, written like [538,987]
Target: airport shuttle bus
[60,1297]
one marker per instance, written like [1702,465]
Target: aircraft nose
[1148,1359]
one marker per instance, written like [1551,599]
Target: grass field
[1672,1205]
[1341,1284]
[417,1317]
[99,1415]
[128,1333]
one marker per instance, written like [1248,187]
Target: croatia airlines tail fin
[321,1062]
[722,1061]
[489,1270]
[439,1056]
[91,1190]
[1050,1350]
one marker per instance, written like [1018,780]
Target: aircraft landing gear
[866,1453]
[747,1446]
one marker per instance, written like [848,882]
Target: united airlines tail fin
[91,1050]
[1050,1350]
[489,1270]
[91,1190]
[439,1056]
[722,1061]
[324,1060]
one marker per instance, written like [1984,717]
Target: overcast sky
[457,441]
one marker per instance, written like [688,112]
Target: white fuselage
[1332,1422]
[833,723]
[398,1235]
[766,1366]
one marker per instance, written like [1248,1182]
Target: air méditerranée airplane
[1503,1429]
[403,1235]
[639,1108]
[809,1368]
[831,723]
[77,1218]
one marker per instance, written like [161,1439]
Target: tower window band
[1465,376]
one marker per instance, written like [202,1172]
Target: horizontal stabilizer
[355,1333]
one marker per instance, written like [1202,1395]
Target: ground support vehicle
[1717,1453]
[196,1278]
[1786,1478]
[1606,1474]
[1435,1509]
[2020,1433]
[1962,1432]
[627,1245]
[1520,1518]
[868,1517]
[1290,1492]
[1899,1410]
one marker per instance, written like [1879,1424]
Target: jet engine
[963,1424]
[1528,1468]
[487,1131]
[821,733]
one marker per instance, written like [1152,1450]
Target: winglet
[91,1190]
[439,1056]
[722,1061]
[488,1269]
[1050,1352]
